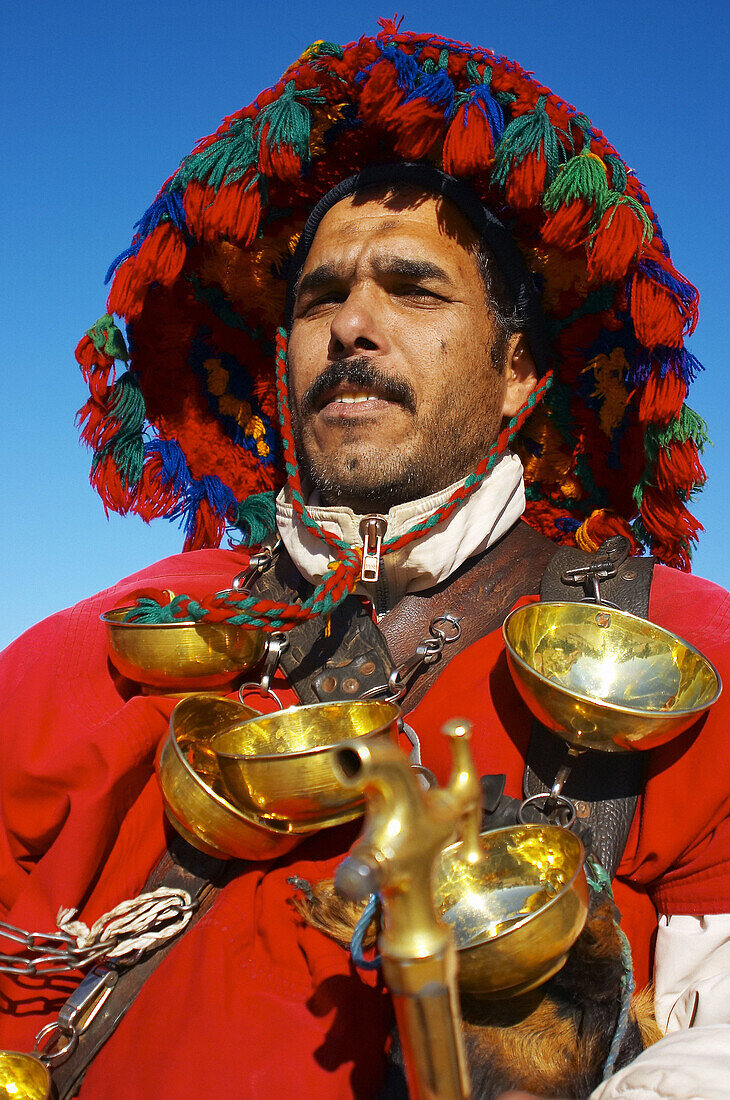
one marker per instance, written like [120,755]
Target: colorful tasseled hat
[189,430]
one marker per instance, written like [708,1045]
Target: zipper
[372,530]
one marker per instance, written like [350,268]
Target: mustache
[359,372]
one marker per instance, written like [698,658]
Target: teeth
[352,398]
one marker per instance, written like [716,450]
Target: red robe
[252,1003]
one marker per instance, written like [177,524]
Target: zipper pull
[372,529]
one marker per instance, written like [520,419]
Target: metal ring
[544,798]
[60,1055]
[260,690]
[439,631]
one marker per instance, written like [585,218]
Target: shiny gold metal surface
[280,765]
[23,1077]
[193,793]
[517,910]
[181,656]
[605,679]
[405,831]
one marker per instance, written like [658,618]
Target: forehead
[411,222]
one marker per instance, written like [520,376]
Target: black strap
[604,791]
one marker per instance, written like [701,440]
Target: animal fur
[553,1040]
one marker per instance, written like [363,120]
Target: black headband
[498,239]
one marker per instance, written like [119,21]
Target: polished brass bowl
[605,679]
[518,910]
[183,656]
[23,1077]
[193,793]
[281,764]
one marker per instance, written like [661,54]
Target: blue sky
[101,102]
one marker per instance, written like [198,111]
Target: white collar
[489,512]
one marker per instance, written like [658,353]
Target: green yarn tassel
[530,133]
[288,119]
[225,160]
[619,179]
[326,49]
[256,517]
[127,446]
[107,338]
[583,177]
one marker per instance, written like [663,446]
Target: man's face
[393,387]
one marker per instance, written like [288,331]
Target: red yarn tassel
[615,244]
[96,426]
[469,146]
[661,398]
[161,256]
[208,529]
[671,526]
[155,498]
[601,525]
[278,161]
[127,293]
[655,312]
[235,212]
[568,226]
[416,125]
[526,182]
[679,468]
[381,93]
[197,201]
[107,481]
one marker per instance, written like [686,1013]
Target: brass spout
[406,830]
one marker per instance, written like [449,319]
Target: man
[413,351]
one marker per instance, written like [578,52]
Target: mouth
[346,400]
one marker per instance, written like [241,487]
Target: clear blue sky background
[102,100]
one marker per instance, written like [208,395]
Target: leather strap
[181,866]
[603,789]
[326,660]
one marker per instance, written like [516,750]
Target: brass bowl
[23,1077]
[193,794]
[605,679]
[518,910]
[281,764]
[183,656]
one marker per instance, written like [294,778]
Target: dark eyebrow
[409,269]
[329,273]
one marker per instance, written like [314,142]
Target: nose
[356,326]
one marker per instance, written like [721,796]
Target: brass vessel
[279,766]
[604,679]
[193,794]
[516,910]
[181,657]
[23,1077]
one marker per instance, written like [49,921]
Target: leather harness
[352,654]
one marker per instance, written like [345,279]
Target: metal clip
[589,576]
[372,529]
[427,651]
[275,646]
[75,1015]
[257,564]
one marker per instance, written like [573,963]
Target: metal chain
[443,630]
[124,934]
